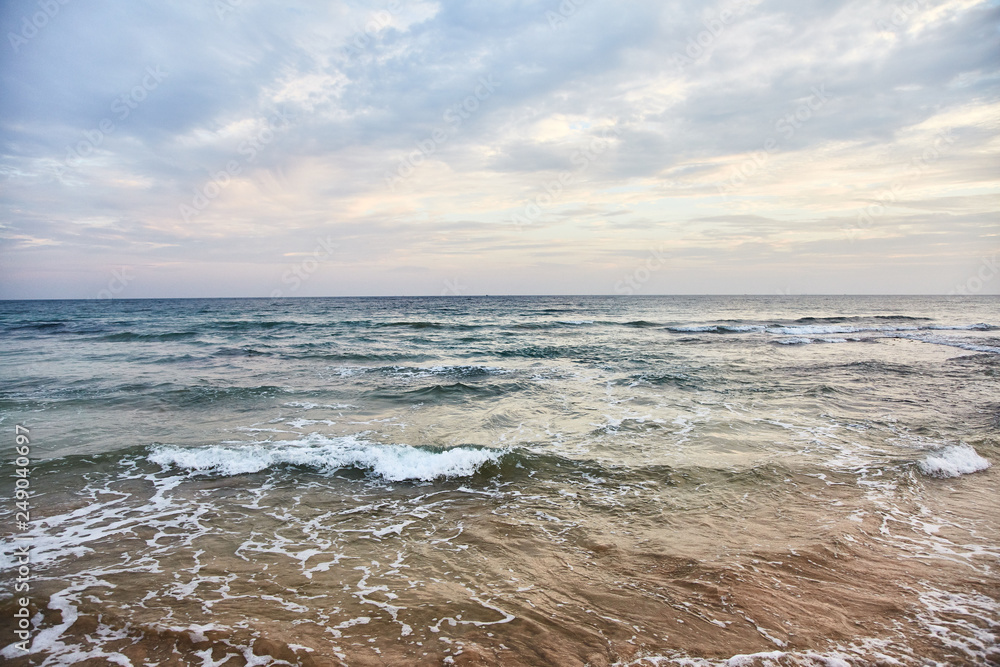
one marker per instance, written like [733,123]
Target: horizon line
[491,296]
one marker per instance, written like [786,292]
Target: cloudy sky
[251,148]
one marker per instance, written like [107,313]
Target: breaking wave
[953,461]
[395,463]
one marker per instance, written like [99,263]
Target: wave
[464,371]
[829,320]
[718,328]
[961,344]
[558,324]
[981,326]
[533,325]
[817,326]
[794,341]
[547,352]
[306,405]
[414,325]
[251,325]
[240,352]
[55,328]
[455,390]
[176,359]
[454,326]
[197,397]
[39,326]
[917,336]
[838,319]
[834,329]
[327,455]
[679,380]
[878,328]
[903,318]
[394,463]
[85,395]
[966,346]
[801,340]
[360,356]
[953,461]
[405,324]
[131,336]
[489,465]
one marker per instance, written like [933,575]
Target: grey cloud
[357,112]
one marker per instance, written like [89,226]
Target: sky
[215,148]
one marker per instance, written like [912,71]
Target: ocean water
[505,481]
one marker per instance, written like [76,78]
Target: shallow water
[532,480]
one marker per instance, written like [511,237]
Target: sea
[633,480]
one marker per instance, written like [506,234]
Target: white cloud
[368,84]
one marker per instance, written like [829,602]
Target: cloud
[417,134]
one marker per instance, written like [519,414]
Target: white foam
[765,658]
[694,329]
[822,329]
[302,423]
[953,461]
[478,368]
[392,462]
[981,326]
[964,622]
[718,328]
[311,406]
[794,341]
[747,659]
[346,372]
[940,340]
[819,330]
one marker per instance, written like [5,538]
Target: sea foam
[953,461]
[391,462]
